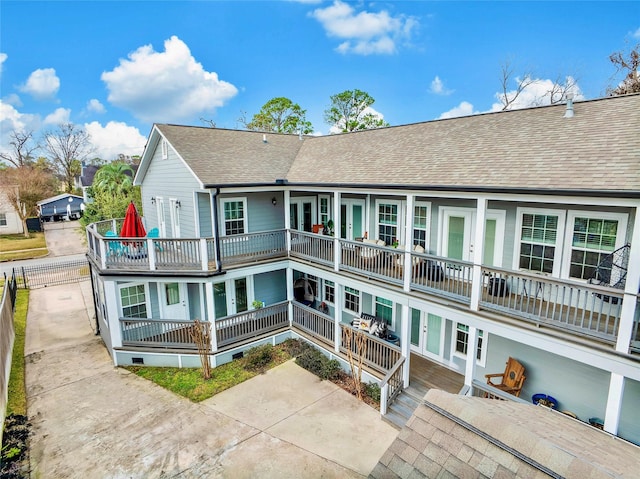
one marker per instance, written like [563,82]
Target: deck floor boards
[434,376]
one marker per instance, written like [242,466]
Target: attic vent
[569,111]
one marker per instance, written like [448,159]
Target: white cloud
[438,87]
[636,34]
[115,138]
[95,106]
[537,93]
[12,99]
[58,117]
[463,109]
[365,33]
[165,86]
[12,120]
[3,58]
[43,83]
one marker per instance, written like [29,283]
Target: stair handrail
[388,392]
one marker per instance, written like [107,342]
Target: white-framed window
[165,149]
[590,237]
[461,343]
[313,282]
[329,293]
[388,218]
[421,215]
[133,300]
[539,239]
[324,209]
[3,219]
[234,216]
[352,300]
[383,309]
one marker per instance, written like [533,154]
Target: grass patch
[17,403]
[16,247]
[189,383]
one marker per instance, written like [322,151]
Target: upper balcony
[563,306]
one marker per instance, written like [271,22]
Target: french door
[351,219]
[427,334]
[231,297]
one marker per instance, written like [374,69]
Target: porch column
[211,314]
[290,297]
[408,243]
[337,306]
[337,221]
[614,403]
[287,218]
[470,366]
[477,249]
[405,342]
[631,287]
[113,316]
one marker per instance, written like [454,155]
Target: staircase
[403,406]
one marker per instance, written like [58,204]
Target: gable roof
[233,157]
[59,197]
[536,148]
[88,172]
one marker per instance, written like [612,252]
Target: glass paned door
[231,297]
[174,296]
[433,336]
[351,219]
[489,242]
[456,240]
[241,296]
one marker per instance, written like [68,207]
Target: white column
[477,248]
[631,287]
[290,297]
[472,348]
[339,301]
[287,218]
[614,403]
[408,243]
[405,342]
[211,314]
[336,230]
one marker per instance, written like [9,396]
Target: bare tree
[507,96]
[68,146]
[22,148]
[208,123]
[629,66]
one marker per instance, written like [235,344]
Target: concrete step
[394,419]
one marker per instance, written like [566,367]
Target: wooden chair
[511,380]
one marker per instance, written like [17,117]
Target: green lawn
[15,247]
[188,382]
[17,403]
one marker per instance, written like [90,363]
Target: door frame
[421,348]
[349,203]
[162,223]
[184,298]
[174,216]
[230,293]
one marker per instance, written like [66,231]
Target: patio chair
[155,233]
[370,258]
[511,380]
[612,272]
[115,247]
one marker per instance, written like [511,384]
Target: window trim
[558,257]
[374,301]
[245,220]
[482,345]
[359,300]
[400,222]
[146,297]
[427,229]
[324,291]
[320,213]
[621,218]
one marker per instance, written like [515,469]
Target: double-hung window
[539,235]
[325,210]
[3,219]
[235,216]
[384,310]
[329,291]
[388,220]
[462,343]
[593,236]
[421,224]
[352,300]
[133,301]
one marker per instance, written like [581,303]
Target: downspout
[216,226]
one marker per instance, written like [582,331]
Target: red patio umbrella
[132,226]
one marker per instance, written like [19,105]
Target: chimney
[569,111]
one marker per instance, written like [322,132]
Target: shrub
[295,347]
[373,391]
[314,361]
[14,447]
[257,359]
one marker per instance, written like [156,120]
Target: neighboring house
[85,180]
[10,222]
[61,207]
[475,239]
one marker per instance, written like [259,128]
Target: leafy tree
[115,177]
[68,146]
[351,111]
[22,148]
[630,67]
[24,187]
[279,115]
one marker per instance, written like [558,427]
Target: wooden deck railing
[380,355]
[443,277]
[588,309]
[252,247]
[313,247]
[250,324]
[372,260]
[157,333]
[484,390]
[314,323]
[391,385]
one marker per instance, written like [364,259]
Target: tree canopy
[68,146]
[629,66]
[351,111]
[280,115]
[22,148]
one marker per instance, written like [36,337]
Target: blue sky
[117,67]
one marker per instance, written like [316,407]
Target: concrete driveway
[91,420]
[65,238]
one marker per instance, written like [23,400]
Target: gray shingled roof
[459,436]
[597,149]
[533,149]
[227,157]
